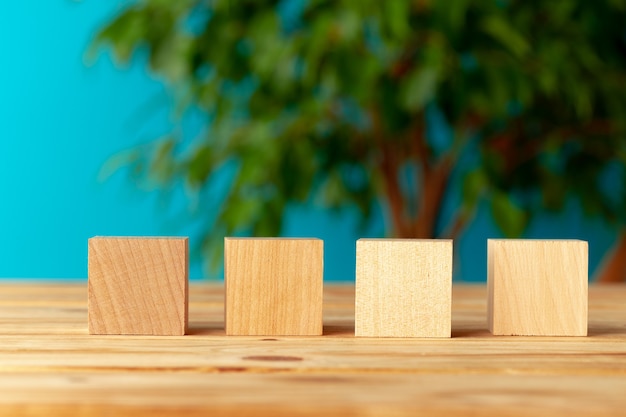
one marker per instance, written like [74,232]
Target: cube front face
[273,286]
[138,286]
[403,288]
[537,287]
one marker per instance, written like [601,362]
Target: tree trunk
[613,267]
[434,187]
[434,180]
[423,224]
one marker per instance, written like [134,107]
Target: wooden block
[138,286]
[403,288]
[273,286]
[537,287]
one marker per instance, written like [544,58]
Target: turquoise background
[64,115]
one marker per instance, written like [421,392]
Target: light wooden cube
[403,288]
[537,287]
[273,286]
[138,286]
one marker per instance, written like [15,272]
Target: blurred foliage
[338,102]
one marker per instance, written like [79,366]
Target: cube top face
[138,286]
[537,287]
[403,288]
[273,286]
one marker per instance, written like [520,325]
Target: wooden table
[50,366]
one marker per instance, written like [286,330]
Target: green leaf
[162,165]
[396,13]
[474,185]
[504,32]
[554,192]
[453,12]
[171,58]
[509,217]
[200,166]
[124,34]
[420,88]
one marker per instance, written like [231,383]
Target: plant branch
[389,170]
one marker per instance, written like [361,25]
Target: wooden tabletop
[49,365]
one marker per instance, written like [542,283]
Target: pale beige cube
[138,286]
[403,288]
[273,286]
[537,287]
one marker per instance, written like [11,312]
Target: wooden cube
[273,286]
[403,288]
[138,286]
[537,287]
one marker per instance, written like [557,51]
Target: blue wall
[63,118]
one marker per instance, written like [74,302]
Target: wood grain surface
[50,366]
[537,287]
[138,286]
[273,286]
[403,287]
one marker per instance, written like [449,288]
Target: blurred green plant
[339,101]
